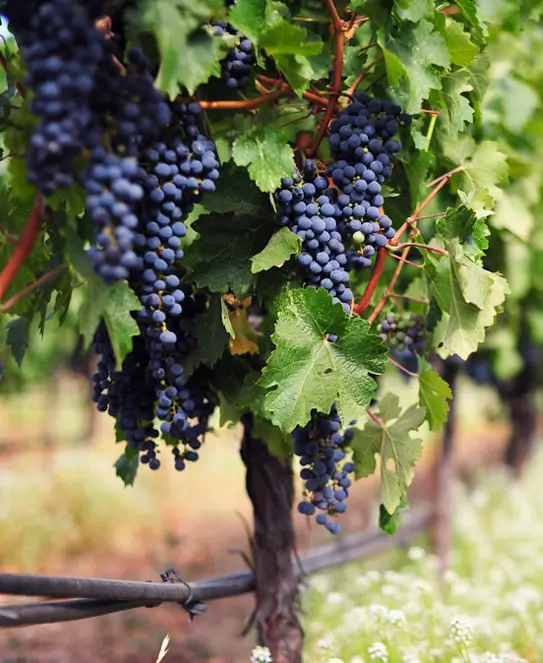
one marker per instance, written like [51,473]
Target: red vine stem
[390,288]
[339,39]
[416,245]
[23,247]
[380,262]
[29,288]
[405,260]
[402,368]
[372,283]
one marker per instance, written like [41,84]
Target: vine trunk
[269,484]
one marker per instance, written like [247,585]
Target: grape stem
[416,245]
[249,104]
[363,72]
[372,283]
[375,419]
[23,247]
[405,261]
[446,176]
[402,368]
[339,39]
[29,288]
[409,298]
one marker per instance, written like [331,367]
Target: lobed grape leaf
[249,17]
[461,222]
[220,258]
[461,49]
[433,395]
[469,297]
[469,11]
[114,304]
[420,54]
[413,10]
[236,193]
[189,54]
[391,439]
[209,329]
[277,251]
[266,153]
[484,171]
[126,466]
[306,371]
[17,338]
[458,109]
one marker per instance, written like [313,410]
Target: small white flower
[379,612]
[261,655]
[460,631]
[397,618]
[334,660]
[327,643]
[336,598]
[415,553]
[357,659]
[410,658]
[378,652]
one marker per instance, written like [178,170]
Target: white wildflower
[379,612]
[327,643]
[378,652]
[261,655]
[397,618]
[410,658]
[416,553]
[357,616]
[336,598]
[357,659]
[334,660]
[460,631]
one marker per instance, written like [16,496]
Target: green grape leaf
[420,54]
[461,222]
[266,153]
[277,251]
[249,17]
[433,395]
[306,371]
[389,523]
[462,50]
[458,109]
[286,38]
[469,297]
[220,258]
[484,172]
[392,439]
[209,329]
[114,304]
[279,443]
[298,71]
[126,466]
[468,8]
[17,338]
[479,75]
[236,193]
[413,10]
[189,54]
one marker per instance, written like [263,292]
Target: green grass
[491,609]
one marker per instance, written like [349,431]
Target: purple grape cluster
[126,394]
[62,49]
[320,445]
[404,333]
[362,140]
[237,66]
[307,207]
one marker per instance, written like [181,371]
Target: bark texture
[271,490]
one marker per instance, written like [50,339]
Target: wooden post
[271,490]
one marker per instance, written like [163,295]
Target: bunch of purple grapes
[405,333]
[237,66]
